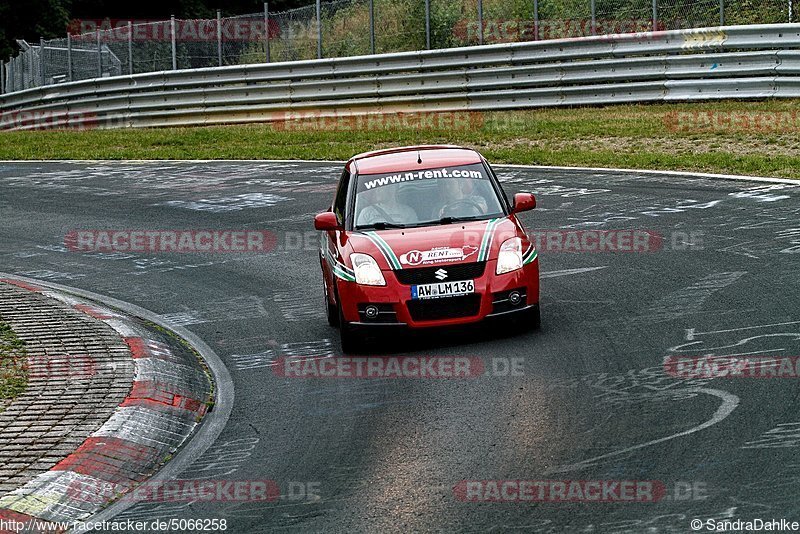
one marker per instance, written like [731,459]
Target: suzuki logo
[441,274]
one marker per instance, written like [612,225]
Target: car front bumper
[398,309]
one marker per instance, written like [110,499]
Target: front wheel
[534,319]
[528,320]
[331,310]
[351,341]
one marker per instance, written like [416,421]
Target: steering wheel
[460,206]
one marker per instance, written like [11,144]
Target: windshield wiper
[451,220]
[382,225]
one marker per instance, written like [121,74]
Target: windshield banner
[374,181]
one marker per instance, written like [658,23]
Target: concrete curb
[166,399]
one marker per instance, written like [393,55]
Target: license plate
[442,289]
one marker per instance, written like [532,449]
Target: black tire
[331,310]
[351,341]
[535,318]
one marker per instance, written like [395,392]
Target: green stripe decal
[486,242]
[385,249]
[533,255]
[343,275]
[340,270]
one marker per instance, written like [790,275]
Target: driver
[385,207]
[458,203]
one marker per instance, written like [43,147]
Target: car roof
[407,158]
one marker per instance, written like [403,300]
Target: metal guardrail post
[319,29]
[266,30]
[480,22]
[594,17]
[219,37]
[99,55]
[535,20]
[372,26]
[69,57]
[2,77]
[655,15]
[42,67]
[722,12]
[130,47]
[427,24]
[174,44]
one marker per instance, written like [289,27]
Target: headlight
[367,271]
[510,257]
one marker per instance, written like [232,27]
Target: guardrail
[700,64]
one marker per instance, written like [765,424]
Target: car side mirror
[326,221]
[524,202]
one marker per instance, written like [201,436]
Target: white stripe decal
[386,250]
[486,242]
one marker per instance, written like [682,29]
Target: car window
[340,202]
[429,196]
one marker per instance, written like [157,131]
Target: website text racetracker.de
[128,525]
[421,175]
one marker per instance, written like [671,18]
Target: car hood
[465,242]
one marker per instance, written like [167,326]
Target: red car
[421,237]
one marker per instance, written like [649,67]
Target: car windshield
[425,197]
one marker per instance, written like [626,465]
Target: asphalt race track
[592,400]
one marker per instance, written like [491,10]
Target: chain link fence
[341,28]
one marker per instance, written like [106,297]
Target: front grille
[444,308]
[427,275]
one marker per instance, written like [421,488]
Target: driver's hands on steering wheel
[464,207]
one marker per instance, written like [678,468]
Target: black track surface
[593,403]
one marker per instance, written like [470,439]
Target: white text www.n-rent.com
[130,525]
[419,175]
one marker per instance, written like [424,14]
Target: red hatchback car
[421,237]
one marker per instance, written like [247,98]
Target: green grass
[13,369]
[634,136]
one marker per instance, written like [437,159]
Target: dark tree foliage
[31,19]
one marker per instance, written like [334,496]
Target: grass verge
[13,368]
[752,138]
